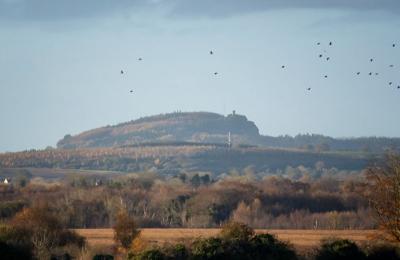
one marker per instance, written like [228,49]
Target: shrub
[151,254]
[61,257]
[208,248]
[177,252]
[266,246]
[237,249]
[14,252]
[340,249]
[38,230]
[103,257]
[236,231]
[384,252]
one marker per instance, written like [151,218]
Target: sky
[60,63]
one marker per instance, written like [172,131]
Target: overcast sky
[60,63]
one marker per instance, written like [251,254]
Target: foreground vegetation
[37,214]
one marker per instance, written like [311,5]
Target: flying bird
[328,58]
[122,72]
[330,43]
[394,45]
[139,59]
[215,73]
[326,76]
[376,73]
[318,43]
[370,73]
[131,91]
[211,52]
[308,89]
[320,55]
[390,83]
[391,65]
[358,73]
[398,87]
[371,60]
[283,66]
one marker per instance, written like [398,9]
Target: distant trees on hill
[204,127]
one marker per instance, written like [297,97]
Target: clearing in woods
[160,236]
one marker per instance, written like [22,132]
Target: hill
[212,128]
[199,127]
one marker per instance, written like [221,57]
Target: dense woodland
[299,197]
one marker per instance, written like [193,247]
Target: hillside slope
[212,128]
[201,127]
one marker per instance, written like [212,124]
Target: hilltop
[195,127]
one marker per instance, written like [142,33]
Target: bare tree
[384,193]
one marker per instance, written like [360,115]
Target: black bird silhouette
[318,43]
[215,73]
[122,72]
[328,58]
[371,60]
[391,65]
[283,66]
[211,52]
[330,43]
[370,73]
[394,45]
[376,73]
[398,87]
[131,91]
[139,59]
[358,73]
[308,89]
[326,76]
[390,83]
[320,55]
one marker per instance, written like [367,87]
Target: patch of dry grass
[160,236]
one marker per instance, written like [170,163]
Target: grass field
[301,239]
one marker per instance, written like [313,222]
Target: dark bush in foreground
[103,257]
[151,254]
[266,246]
[12,252]
[238,242]
[208,248]
[385,252]
[340,250]
[177,252]
[61,257]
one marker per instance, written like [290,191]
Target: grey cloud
[44,10]
[49,10]
[216,8]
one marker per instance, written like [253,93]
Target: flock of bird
[321,56]
[358,73]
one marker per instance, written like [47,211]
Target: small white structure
[229,140]
[7,181]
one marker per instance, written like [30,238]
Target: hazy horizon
[61,62]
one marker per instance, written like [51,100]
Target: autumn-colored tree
[384,191]
[236,231]
[40,228]
[125,230]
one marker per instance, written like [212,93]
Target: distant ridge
[194,127]
[211,128]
